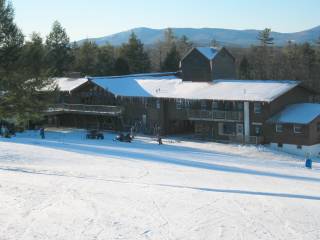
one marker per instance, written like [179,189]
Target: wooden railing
[215,115]
[85,109]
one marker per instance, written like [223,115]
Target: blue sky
[96,18]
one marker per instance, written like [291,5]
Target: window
[297,128]
[257,130]
[228,106]
[318,127]
[158,104]
[227,129]
[240,106]
[280,145]
[215,105]
[203,105]
[257,108]
[279,128]
[187,104]
[179,104]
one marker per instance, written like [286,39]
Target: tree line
[26,66]
[293,61]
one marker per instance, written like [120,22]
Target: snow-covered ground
[67,187]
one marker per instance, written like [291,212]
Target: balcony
[215,115]
[84,109]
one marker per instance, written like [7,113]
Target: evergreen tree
[59,50]
[184,45]
[172,60]
[133,52]
[265,37]
[20,77]
[86,58]
[33,57]
[244,69]
[121,67]
[106,60]
[11,42]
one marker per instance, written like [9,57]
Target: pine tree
[133,52]
[33,57]
[86,58]
[11,42]
[21,73]
[121,67]
[106,60]
[184,45]
[244,69]
[265,37]
[172,60]
[59,50]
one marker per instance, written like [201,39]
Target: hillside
[203,36]
[67,187]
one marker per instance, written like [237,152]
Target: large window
[279,128]
[257,108]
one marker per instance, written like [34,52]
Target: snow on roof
[173,87]
[302,113]
[68,84]
[208,52]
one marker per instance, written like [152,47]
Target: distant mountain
[203,36]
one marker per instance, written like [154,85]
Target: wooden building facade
[203,100]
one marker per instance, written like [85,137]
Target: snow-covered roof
[302,113]
[68,84]
[208,52]
[173,87]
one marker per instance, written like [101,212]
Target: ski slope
[67,187]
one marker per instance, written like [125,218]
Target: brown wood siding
[296,95]
[196,67]
[288,136]
[223,66]
[314,132]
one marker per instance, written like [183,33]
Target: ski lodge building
[203,100]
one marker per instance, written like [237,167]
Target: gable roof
[209,52]
[302,113]
[68,84]
[171,86]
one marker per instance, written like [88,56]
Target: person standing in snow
[42,135]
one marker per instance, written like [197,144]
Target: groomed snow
[302,113]
[67,187]
[173,87]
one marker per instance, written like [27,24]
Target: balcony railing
[215,115]
[85,109]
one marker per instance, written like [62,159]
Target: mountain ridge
[204,36]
